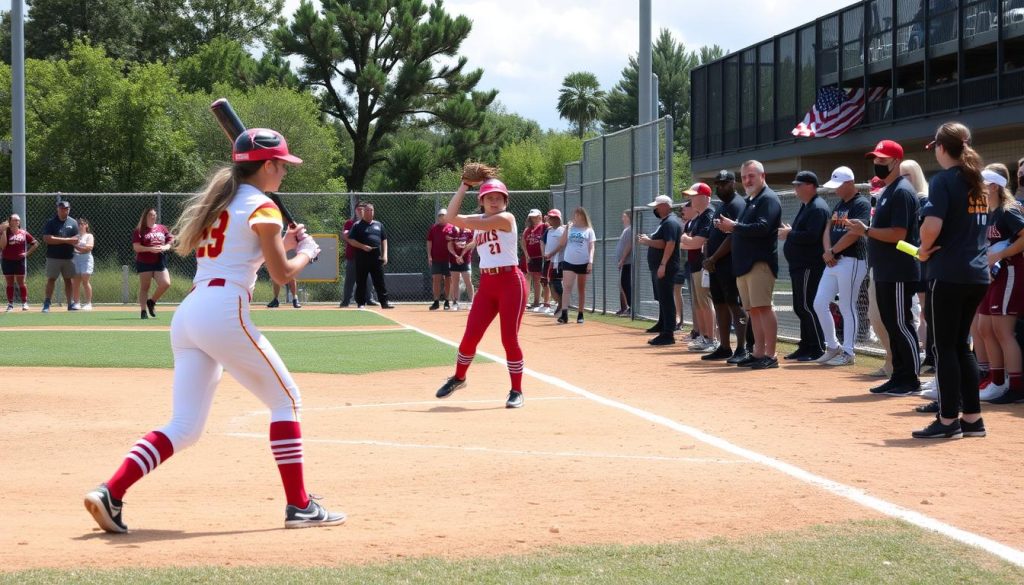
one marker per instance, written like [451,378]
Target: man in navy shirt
[60,233]
[896,274]
[371,244]
[755,261]
[663,261]
[722,282]
[803,249]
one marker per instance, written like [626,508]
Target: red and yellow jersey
[497,248]
[230,248]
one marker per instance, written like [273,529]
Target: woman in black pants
[954,253]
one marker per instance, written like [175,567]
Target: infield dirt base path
[465,476]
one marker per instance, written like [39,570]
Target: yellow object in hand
[907,248]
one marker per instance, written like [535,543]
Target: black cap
[724,176]
[806,177]
[64,204]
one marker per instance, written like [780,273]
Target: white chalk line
[517,452]
[859,496]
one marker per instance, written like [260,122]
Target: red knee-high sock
[998,377]
[10,294]
[24,293]
[462,363]
[150,451]
[286,443]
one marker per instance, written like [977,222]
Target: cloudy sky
[526,47]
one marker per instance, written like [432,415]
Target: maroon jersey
[437,235]
[350,251]
[18,242]
[533,235]
[154,236]
[460,238]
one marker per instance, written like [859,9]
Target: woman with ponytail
[954,254]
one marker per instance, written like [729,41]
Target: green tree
[225,61]
[672,63]
[52,27]
[540,162]
[581,100]
[376,65]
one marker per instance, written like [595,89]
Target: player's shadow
[910,442]
[855,399]
[444,409]
[144,536]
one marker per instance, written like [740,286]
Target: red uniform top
[350,251]
[437,235]
[460,238]
[154,236]
[533,236]
[18,242]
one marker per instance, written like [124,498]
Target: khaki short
[756,286]
[701,293]
[57,267]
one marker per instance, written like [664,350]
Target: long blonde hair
[586,216]
[203,208]
[916,176]
[1006,199]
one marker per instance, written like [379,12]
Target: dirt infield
[467,477]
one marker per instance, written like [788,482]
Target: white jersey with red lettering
[230,248]
[497,248]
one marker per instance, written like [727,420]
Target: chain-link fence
[113,217]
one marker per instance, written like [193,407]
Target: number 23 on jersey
[212,243]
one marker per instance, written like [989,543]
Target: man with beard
[722,282]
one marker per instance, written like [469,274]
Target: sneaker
[151,305]
[830,354]
[984,381]
[450,385]
[662,340]
[540,308]
[930,408]
[515,399]
[105,509]
[271,305]
[974,429]
[24,306]
[737,357]
[928,369]
[46,306]
[748,361]
[371,303]
[710,346]
[883,387]
[386,306]
[549,311]
[144,314]
[435,305]
[564,317]
[455,306]
[811,357]
[719,354]
[447,306]
[697,344]
[794,355]
[312,515]
[937,430]
[579,317]
[843,359]
[993,391]
[903,390]
[765,363]
[930,390]
[10,307]
[1009,397]
[296,304]
[360,306]
[87,307]
[73,306]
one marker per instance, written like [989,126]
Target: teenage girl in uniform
[16,245]
[502,289]
[233,228]
[151,240]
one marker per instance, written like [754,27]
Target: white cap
[839,176]
[993,177]
[659,200]
[534,212]
[442,211]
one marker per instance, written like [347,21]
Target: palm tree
[581,100]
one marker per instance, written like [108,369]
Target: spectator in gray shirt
[624,252]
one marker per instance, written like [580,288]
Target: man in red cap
[694,237]
[896,274]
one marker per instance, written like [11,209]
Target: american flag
[835,111]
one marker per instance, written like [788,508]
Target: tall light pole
[18,108]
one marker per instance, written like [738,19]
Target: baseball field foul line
[998,549]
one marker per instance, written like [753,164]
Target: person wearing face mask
[721,281]
[896,274]
[663,261]
[755,261]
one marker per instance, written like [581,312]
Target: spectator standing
[755,261]
[846,267]
[437,260]
[350,263]
[721,280]
[663,261]
[151,241]
[686,217]
[460,262]
[911,171]
[896,274]
[60,234]
[624,254]
[874,317]
[804,253]
[1004,300]
[577,261]
[693,241]
[954,253]
[533,247]
[17,245]
[371,242]
[554,245]
[293,286]
[84,265]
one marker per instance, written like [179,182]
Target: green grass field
[129,317]
[884,552]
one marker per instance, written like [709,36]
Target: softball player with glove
[502,289]
[233,228]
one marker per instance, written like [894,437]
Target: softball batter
[233,228]
[502,289]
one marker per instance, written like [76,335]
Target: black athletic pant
[805,287]
[626,282]
[666,301]
[368,264]
[894,302]
[951,311]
